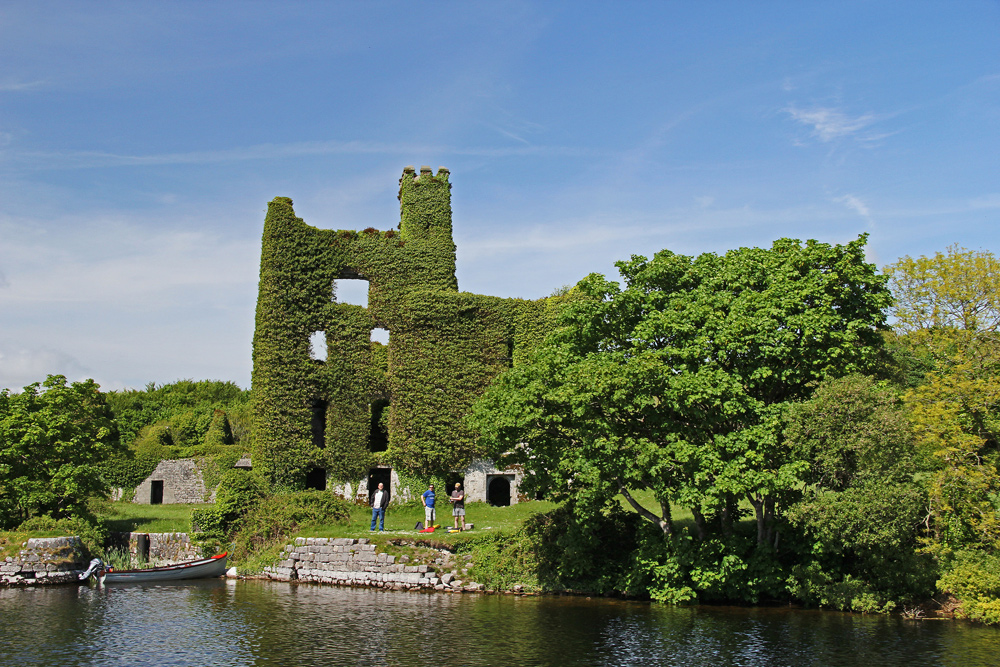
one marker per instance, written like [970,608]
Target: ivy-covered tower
[368,404]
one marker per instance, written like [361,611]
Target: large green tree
[862,509]
[677,383]
[53,438]
[948,311]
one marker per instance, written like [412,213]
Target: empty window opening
[378,476]
[317,346]
[318,427]
[378,431]
[381,335]
[498,490]
[354,292]
[142,547]
[156,492]
[316,479]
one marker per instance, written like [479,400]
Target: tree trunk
[699,523]
[769,518]
[667,517]
[662,521]
[758,510]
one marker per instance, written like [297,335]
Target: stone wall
[45,560]
[179,481]
[356,562]
[164,548]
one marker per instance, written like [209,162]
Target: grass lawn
[126,517]
[401,519]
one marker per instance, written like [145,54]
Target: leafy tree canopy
[678,381]
[948,309]
[53,438]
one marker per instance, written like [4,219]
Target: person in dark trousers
[380,500]
[458,505]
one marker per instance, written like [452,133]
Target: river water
[218,622]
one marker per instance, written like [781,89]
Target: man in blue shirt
[427,497]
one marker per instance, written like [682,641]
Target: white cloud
[21,86]
[829,124]
[125,303]
[20,365]
[40,160]
[985,201]
[856,205]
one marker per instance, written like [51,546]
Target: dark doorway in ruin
[142,547]
[318,408]
[450,480]
[316,479]
[498,490]
[156,492]
[378,432]
[378,476]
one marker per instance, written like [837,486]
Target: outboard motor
[96,568]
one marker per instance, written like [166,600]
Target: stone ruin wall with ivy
[369,404]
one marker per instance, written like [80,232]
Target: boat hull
[199,569]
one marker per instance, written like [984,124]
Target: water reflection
[271,624]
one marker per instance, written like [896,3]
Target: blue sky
[140,143]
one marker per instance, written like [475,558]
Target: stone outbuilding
[175,481]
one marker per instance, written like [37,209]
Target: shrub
[974,578]
[92,534]
[278,517]
[504,559]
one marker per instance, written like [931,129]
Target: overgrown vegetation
[445,347]
[207,420]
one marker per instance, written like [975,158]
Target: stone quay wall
[164,548]
[356,562]
[45,560]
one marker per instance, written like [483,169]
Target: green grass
[401,519]
[126,517]
[646,499]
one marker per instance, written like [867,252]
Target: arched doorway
[498,490]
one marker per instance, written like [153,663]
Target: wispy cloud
[829,123]
[986,201]
[20,365]
[38,160]
[21,86]
[856,205]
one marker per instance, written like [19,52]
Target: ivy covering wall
[445,346]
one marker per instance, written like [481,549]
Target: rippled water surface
[260,623]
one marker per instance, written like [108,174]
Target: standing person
[458,505]
[427,497]
[380,500]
